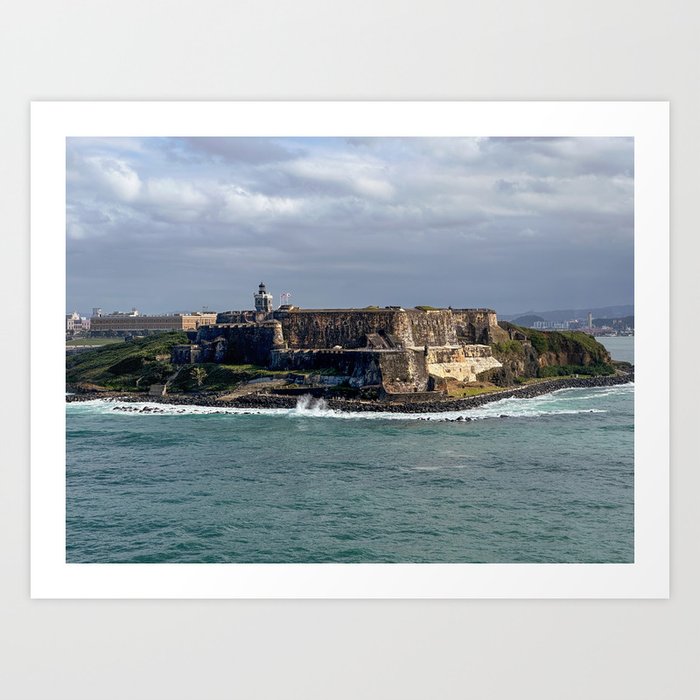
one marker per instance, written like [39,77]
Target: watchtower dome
[263,300]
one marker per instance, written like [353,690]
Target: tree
[199,374]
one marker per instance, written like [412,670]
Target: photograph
[349,350]
[342,349]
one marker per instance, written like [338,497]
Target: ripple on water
[195,485]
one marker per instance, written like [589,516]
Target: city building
[551,325]
[134,322]
[75,323]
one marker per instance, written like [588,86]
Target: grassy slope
[136,365]
[221,377]
[125,366]
[568,342]
[557,341]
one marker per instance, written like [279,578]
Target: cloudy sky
[167,224]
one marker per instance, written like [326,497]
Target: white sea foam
[308,405]
[560,402]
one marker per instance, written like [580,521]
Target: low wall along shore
[264,400]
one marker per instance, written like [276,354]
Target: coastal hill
[529,354]
[134,366]
[123,366]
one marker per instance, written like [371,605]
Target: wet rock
[263,400]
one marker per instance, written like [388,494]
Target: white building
[76,323]
[551,325]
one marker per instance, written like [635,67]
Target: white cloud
[240,204]
[342,175]
[116,176]
[425,205]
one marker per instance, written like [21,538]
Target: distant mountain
[528,320]
[568,314]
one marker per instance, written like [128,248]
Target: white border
[647,577]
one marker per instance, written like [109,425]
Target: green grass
[509,347]
[566,341]
[562,345]
[221,377]
[125,366]
[521,381]
[134,366]
[83,342]
[462,393]
[597,370]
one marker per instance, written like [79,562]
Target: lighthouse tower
[263,300]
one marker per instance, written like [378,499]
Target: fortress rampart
[351,328]
[475,325]
[346,328]
[400,350]
[235,343]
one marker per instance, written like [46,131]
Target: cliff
[531,353]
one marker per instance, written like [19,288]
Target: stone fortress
[398,351]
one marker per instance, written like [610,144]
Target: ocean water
[619,347]
[548,479]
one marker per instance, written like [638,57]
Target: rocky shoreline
[267,400]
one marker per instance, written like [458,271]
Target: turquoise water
[548,479]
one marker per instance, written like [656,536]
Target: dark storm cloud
[167,224]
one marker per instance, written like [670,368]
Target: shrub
[539,341]
[597,370]
[508,347]
[126,366]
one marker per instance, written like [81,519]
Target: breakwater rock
[266,400]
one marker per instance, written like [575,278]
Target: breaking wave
[308,405]
[560,402]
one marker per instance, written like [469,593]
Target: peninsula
[371,358]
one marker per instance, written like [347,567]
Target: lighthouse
[263,300]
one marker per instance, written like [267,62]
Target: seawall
[435,406]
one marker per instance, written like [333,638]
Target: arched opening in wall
[483,337]
[471,332]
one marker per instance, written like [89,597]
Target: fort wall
[475,325]
[403,351]
[463,364]
[404,372]
[351,328]
[226,317]
[185,354]
[240,343]
[347,328]
[432,327]
[360,367]
[397,371]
